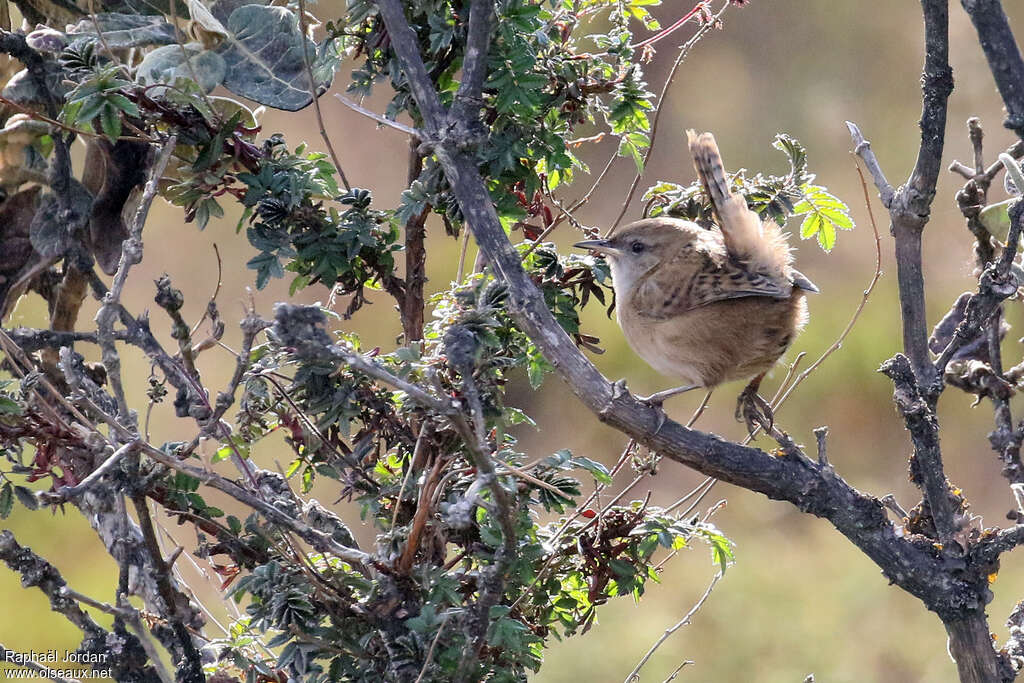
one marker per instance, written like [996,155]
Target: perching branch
[793,478]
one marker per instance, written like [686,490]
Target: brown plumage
[708,306]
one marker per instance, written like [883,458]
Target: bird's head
[642,246]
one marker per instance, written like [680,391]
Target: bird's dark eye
[638,247]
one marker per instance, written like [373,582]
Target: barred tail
[708,162]
[745,238]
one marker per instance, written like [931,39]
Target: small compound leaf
[264,57]
[168,63]
[824,214]
[797,154]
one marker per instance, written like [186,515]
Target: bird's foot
[657,400]
[753,410]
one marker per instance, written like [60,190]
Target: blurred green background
[800,598]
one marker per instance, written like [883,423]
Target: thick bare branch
[910,205]
[1003,55]
[468,99]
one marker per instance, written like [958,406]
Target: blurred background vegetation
[800,598]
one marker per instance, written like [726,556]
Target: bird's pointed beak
[600,246]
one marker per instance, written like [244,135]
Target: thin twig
[634,675]
[433,646]
[699,489]
[821,435]
[666,32]
[462,256]
[672,676]
[659,107]
[318,539]
[189,65]
[216,291]
[35,115]
[131,254]
[580,509]
[862,148]
[408,473]
[838,343]
[131,616]
[316,100]
[65,493]
[356,107]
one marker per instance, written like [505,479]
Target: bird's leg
[655,400]
[754,410]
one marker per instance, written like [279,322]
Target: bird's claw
[753,410]
[619,389]
[655,401]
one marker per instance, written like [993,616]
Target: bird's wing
[662,293]
[745,236]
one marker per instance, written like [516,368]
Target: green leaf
[721,547]
[124,104]
[26,497]
[631,145]
[622,568]
[9,406]
[6,500]
[263,55]
[89,108]
[266,266]
[191,61]
[223,453]
[827,236]
[797,154]
[825,213]
[599,471]
[110,122]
